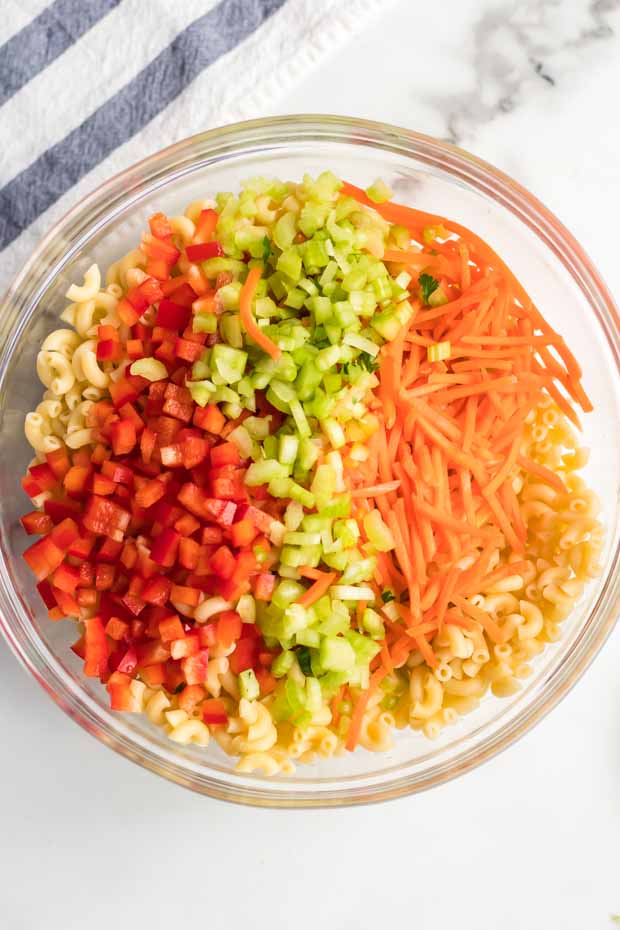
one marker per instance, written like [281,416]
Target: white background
[528,841]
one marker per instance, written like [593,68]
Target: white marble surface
[528,841]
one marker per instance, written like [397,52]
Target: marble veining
[522,48]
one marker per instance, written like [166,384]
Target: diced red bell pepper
[164,547]
[109,551]
[108,350]
[195,667]
[263,586]
[87,575]
[104,576]
[117,629]
[243,533]
[229,489]
[204,250]
[95,648]
[119,473]
[184,295]
[166,429]
[30,486]
[181,594]
[189,553]
[206,225]
[209,418]
[121,695]
[171,315]
[188,351]
[157,590]
[171,628]
[78,647]
[153,675]
[37,523]
[160,227]
[223,512]
[226,453]
[86,597]
[102,485]
[190,697]
[207,634]
[178,402]
[211,536]
[129,554]
[135,349]
[266,682]
[126,390]
[150,493]
[187,524]
[59,510]
[126,313]
[44,476]
[214,712]
[45,591]
[65,534]
[105,518]
[82,546]
[172,456]
[223,562]
[58,460]
[147,444]
[153,653]
[245,656]
[76,480]
[229,627]
[261,520]
[134,604]
[193,499]
[66,578]
[159,250]
[129,662]
[123,436]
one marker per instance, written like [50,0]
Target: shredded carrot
[360,708]
[318,589]
[245,311]
[376,489]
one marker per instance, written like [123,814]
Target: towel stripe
[50,34]
[39,185]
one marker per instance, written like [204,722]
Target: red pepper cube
[157,590]
[185,295]
[261,520]
[178,402]
[226,453]
[126,390]
[129,412]
[76,480]
[65,534]
[82,546]
[128,663]
[134,349]
[104,518]
[214,712]
[185,646]
[150,493]
[117,629]
[195,667]
[87,575]
[45,592]
[263,585]
[206,225]
[108,350]
[266,682]
[119,473]
[58,460]
[129,554]
[151,290]
[160,227]
[229,489]
[67,604]
[44,476]
[66,578]
[109,551]
[147,444]
[194,451]
[193,499]
[243,533]
[171,628]
[159,249]
[207,634]
[172,456]
[211,536]
[104,576]
[95,648]
[229,627]
[86,597]
[189,554]
[37,523]
[102,485]
[186,350]
[121,695]
[123,436]
[134,604]
[172,315]
[190,597]
[164,547]
[190,697]
[222,512]
[223,562]
[153,675]
[187,524]
[166,429]
[245,656]
[210,418]
[204,250]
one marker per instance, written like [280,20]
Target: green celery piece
[202,367]
[320,307]
[248,685]
[365,649]
[308,453]
[308,637]
[263,472]
[205,323]
[288,446]
[308,379]
[230,328]
[228,362]
[285,593]
[282,664]
[289,263]
[336,560]
[323,486]
[295,298]
[337,654]
[315,254]
[360,570]
[339,507]
[202,391]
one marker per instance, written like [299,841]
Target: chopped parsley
[387,596]
[179,688]
[266,249]
[367,361]
[428,285]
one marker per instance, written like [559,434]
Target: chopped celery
[265,471]
[230,328]
[288,447]
[285,593]
[228,362]
[282,664]
[379,192]
[285,231]
[248,685]
[373,624]
[293,538]
[289,263]
[336,654]
[202,392]
[293,516]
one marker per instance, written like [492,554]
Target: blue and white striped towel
[88,87]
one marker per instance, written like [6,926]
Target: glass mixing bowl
[423,172]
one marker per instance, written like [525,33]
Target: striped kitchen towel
[88,87]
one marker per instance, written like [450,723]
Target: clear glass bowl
[422,172]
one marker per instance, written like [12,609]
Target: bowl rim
[116,195]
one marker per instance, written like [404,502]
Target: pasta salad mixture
[306,470]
